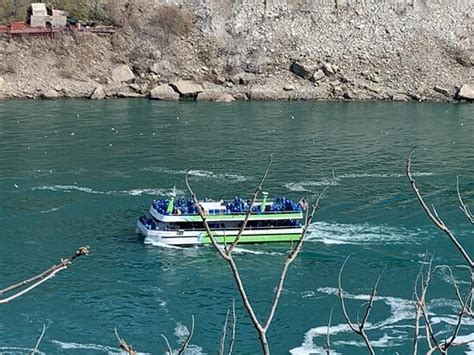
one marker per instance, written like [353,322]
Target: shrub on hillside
[172,21]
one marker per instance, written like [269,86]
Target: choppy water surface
[76,173]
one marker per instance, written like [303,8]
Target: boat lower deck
[200,237]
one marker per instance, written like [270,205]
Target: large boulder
[187,88]
[466,92]
[98,93]
[300,71]
[2,81]
[268,93]
[130,95]
[123,74]
[164,92]
[50,94]
[318,75]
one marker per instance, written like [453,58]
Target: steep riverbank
[258,50]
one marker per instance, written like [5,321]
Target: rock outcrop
[187,88]
[98,93]
[466,92]
[123,74]
[164,92]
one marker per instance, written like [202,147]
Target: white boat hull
[199,237]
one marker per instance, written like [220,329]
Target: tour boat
[177,222]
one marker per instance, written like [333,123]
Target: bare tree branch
[464,207]
[234,322]
[434,216]
[328,333]
[252,202]
[224,331]
[188,338]
[226,254]
[169,351]
[124,345]
[30,284]
[359,328]
[291,257]
[35,350]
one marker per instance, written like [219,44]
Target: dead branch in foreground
[224,331]
[186,342]
[433,215]
[359,327]
[421,311]
[126,347]
[35,350]
[23,287]
[226,254]
[463,206]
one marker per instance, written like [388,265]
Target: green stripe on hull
[255,238]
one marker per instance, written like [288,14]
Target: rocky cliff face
[256,49]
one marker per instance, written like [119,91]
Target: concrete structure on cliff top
[39,16]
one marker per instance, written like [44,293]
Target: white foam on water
[466,339]
[382,176]
[96,347]
[364,233]
[156,243]
[307,185]
[54,209]
[198,173]
[152,192]
[12,350]
[182,332]
[68,188]
[239,250]
[400,309]
[132,192]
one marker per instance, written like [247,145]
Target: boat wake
[155,243]
[70,346]
[356,234]
[198,173]
[88,190]
[240,250]
[7,350]
[302,186]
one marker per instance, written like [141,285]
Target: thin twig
[359,328]
[124,345]
[35,350]
[234,322]
[464,207]
[433,216]
[224,333]
[189,337]
[291,257]
[170,351]
[252,202]
[40,278]
[328,333]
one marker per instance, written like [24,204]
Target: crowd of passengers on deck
[184,206]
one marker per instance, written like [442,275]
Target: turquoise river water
[76,173]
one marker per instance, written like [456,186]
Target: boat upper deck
[184,210]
